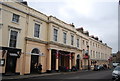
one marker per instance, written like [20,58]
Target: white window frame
[39,30]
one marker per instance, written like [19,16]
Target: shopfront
[61,60]
[9,59]
[78,62]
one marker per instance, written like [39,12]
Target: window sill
[15,22]
[36,38]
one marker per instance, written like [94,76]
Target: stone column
[57,55]
[49,60]
[70,62]
[73,59]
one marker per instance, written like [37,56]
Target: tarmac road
[74,76]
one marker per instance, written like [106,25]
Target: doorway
[34,63]
[78,62]
[34,60]
[53,60]
[11,64]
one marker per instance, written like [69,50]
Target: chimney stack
[80,29]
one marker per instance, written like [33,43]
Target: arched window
[78,56]
[36,51]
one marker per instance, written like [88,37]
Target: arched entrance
[34,60]
[78,62]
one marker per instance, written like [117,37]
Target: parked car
[115,64]
[101,67]
[74,68]
[116,73]
[95,68]
[98,67]
[64,69]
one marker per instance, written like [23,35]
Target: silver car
[116,73]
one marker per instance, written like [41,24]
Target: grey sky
[99,17]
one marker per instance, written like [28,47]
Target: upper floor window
[77,42]
[13,38]
[83,42]
[72,39]
[91,54]
[15,18]
[37,30]
[64,37]
[93,44]
[90,42]
[86,43]
[55,34]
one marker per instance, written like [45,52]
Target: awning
[11,51]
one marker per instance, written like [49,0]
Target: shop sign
[85,57]
[2,62]
[13,54]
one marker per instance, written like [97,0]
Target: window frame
[55,34]
[64,37]
[78,43]
[38,31]
[83,42]
[72,39]
[16,38]
[14,19]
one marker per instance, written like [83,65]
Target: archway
[78,62]
[34,60]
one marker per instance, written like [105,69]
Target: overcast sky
[99,17]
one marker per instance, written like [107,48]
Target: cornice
[61,26]
[50,42]
[35,40]
[62,45]
[23,11]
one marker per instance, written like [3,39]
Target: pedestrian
[39,68]
[35,67]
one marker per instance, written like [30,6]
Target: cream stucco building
[29,37]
